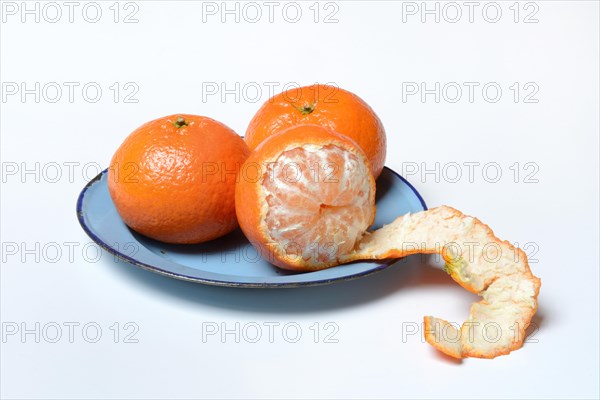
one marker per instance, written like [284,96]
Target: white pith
[300,182]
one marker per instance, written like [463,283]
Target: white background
[374,50]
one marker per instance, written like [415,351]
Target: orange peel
[478,261]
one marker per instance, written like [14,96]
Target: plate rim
[214,282]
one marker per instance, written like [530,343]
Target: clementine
[173,179]
[305,196]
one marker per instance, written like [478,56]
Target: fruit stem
[180,122]
[306,109]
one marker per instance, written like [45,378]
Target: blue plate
[230,260]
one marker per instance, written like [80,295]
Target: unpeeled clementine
[173,179]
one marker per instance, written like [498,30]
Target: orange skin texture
[249,199]
[177,184]
[334,108]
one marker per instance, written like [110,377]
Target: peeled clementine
[328,106]
[173,179]
[305,197]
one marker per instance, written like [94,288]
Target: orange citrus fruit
[173,179]
[305,196]
[328,106]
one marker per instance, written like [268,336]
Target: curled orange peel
[478,261]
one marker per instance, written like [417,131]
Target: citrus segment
[322,208]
